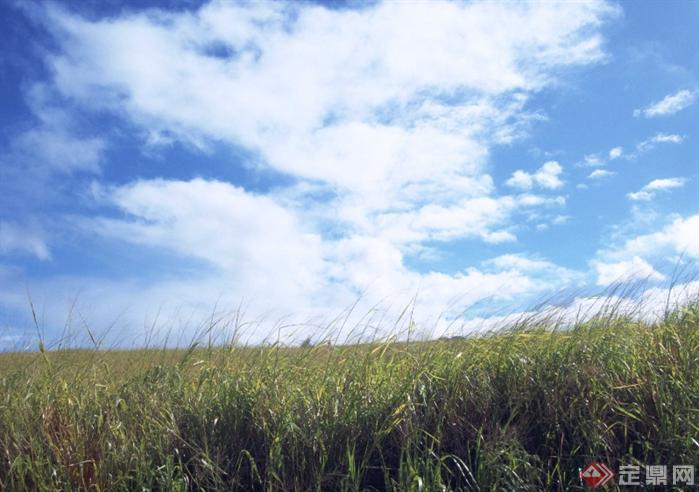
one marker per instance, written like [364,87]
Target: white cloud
[649,304]
[547,176]
[50,149]
[308,60]
[593,160]
[237,237]
[375,113]
[521,179]
[560,219]
[616,152]
[663,137]
[623,271]
[239,233]
[651,143]
[636,256]
[248,235]
[177,306]
[640,196]
[679,237]
[600,173]
[670,104]
[54,144]
[596,160]
[655,301]
[387,113]
[665,184]
[649,191]
[521,263]
[15,238]
[650,256]
[470,218]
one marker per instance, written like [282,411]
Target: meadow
[517,409]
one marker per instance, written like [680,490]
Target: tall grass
[521,409]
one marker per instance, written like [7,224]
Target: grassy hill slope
[521,410]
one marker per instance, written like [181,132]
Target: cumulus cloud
[649,191]
[670,104]
[636,256]
[679,237]
[245,234]
[616,152]
[647,256]
[623,271]
[547,176]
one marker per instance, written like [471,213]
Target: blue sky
[165,160]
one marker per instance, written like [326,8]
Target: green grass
[521,410]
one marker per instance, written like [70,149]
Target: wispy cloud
[55,143]
[658,138]
[670,104]
[22,239]
[593,160]
[600,173]
[600,159]
[649,191]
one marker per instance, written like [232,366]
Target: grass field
[516,410]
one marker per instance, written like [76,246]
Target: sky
[165,163]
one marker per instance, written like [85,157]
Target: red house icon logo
[596,475]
